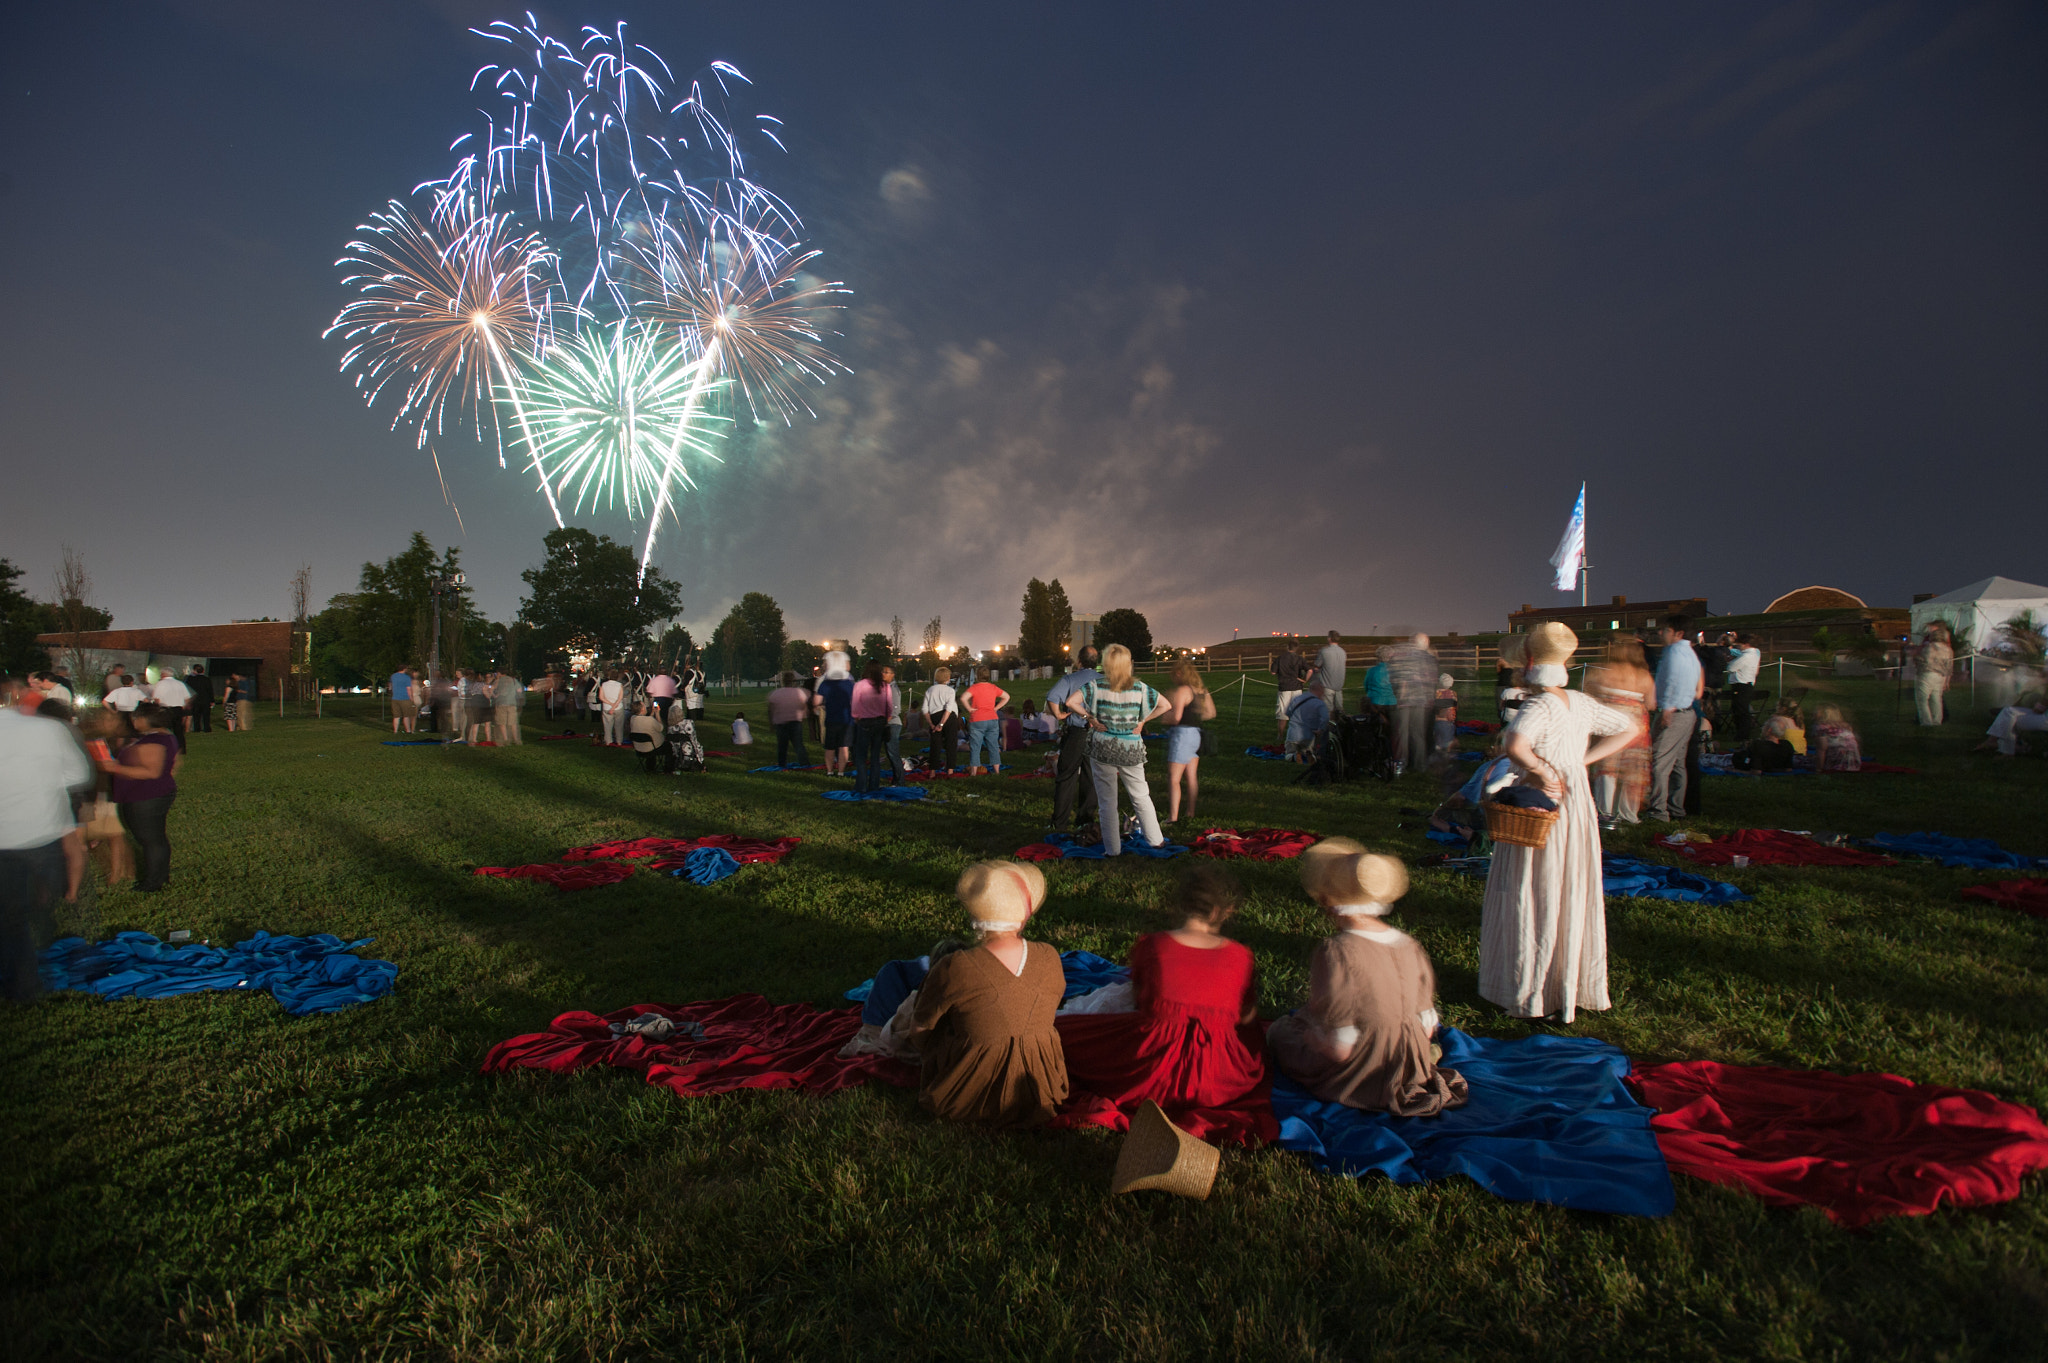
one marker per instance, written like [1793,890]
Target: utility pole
[438,587]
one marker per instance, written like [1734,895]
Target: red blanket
[562,877]
[1858,1146]
[1039,851]
[1261,844]
[744,850]
[1775,847]
[2028,896]
[749,1043]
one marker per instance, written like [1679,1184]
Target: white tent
[1982,608]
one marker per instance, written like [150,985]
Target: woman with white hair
[1117,708]
[1543,928]
[983,1023]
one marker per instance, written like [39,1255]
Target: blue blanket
[881,996]
[1133,846]
[791,767]
[1978,853]
[1264,756]
[1548,1121]
[312,974]
[879,793]
[1625,878]
[412,742]
[707,865]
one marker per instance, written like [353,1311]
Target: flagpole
[1585,550]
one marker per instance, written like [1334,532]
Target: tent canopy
[1982,608]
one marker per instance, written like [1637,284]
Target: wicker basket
[1522,827]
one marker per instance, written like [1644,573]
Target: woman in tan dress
[984,1016]
[1543,929]
[1623,680]
[1363,1040]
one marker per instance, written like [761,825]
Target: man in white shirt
[611,696]
[51,687]
[126,696]
[175,698]
[40,765]
[1331,661]
[1744,658]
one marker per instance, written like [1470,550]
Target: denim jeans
[30,880]
[787,734]
[870,739]
[895,751]
[147,822]
[985,733]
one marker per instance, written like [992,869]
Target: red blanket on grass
[744,850]
[588,877]
[749,1043]
[1858,1146]
[1260,844]
[2028,896]
[1775,847]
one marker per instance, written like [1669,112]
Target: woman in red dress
[1194,1046]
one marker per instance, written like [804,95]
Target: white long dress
[1543,930]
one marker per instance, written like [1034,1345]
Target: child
[1363,1039]
[742,736]
[1834,743]
[1446,708]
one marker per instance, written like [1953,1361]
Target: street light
[438,587]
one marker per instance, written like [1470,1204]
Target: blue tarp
[312,974]
[1133,846]
[791,767]
[881,996]
[412,742]
[1264,755]
[1548,1121]
[1978,853]
[707,865]
[880,793]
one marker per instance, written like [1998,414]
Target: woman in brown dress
[984,1016]
[1364,1038]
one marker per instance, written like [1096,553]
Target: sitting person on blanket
[1363,1040]
[1186,1036]
[2029,716]
[1834,744]
[1463,811]
[984,1017]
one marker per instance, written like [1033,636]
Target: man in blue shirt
[1071,783]
[1306,720]
[1680,684]
[405,707]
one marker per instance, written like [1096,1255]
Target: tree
[932,635]
[76,615]
[21,620]
[1125,626]
[588,589]
[896,636]
[674,648]
[800,656]
[876,648]
[1059,616]
[334,662]
[748,642]
[1048,620]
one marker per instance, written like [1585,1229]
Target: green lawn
[207,1177]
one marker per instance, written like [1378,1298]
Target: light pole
[437,587]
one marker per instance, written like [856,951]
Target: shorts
[837,733]
[1183,744]
[405,709]
[1287,698]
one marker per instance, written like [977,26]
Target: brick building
[1618,613]
[262,648]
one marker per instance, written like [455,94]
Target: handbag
[1208,748]
[105,821]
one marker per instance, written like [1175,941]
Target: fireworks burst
[602,268]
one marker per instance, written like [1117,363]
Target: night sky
[1247,316]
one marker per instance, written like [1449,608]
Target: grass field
[207,1177]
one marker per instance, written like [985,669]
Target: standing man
[1330,664]
[506,697]
[1073,796]
[1680,684]
[694,686]
[242,695]
[1931,676]
[174,698]
[201,687]
[124,696]
[1744,658]
[40,765]
[1412,671]
[835,702]
[611,699]
[405,701]
[1291,676]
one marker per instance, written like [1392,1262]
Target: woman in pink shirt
[871,706]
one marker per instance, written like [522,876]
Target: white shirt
[938,700]
[172,692]
[40,764]
[1742,666]
[125,697]
[611,693]
[741,733]
[59,691]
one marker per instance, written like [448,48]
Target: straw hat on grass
[1160,1157]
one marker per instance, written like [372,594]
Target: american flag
[1571,550]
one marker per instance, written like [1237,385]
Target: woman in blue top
[1117,708]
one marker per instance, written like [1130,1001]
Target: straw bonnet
[1001,895]
[1552,643]
[1514,649]
[1317,860]
[1364,878]
[1160,1157]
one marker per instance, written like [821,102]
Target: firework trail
[601,267]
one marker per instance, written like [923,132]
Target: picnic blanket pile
[317,973]
[703,861]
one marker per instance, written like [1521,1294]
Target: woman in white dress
[1543,930]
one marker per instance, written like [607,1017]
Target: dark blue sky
[1257,316]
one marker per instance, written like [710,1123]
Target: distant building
[1816,599]
[1084,631]
[1618,614]
[262,649]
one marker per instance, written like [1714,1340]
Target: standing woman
[942,712]
[1623,681]
[870,708]
[144,772]
[1543,929]
[1117,708]
[1191,704]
